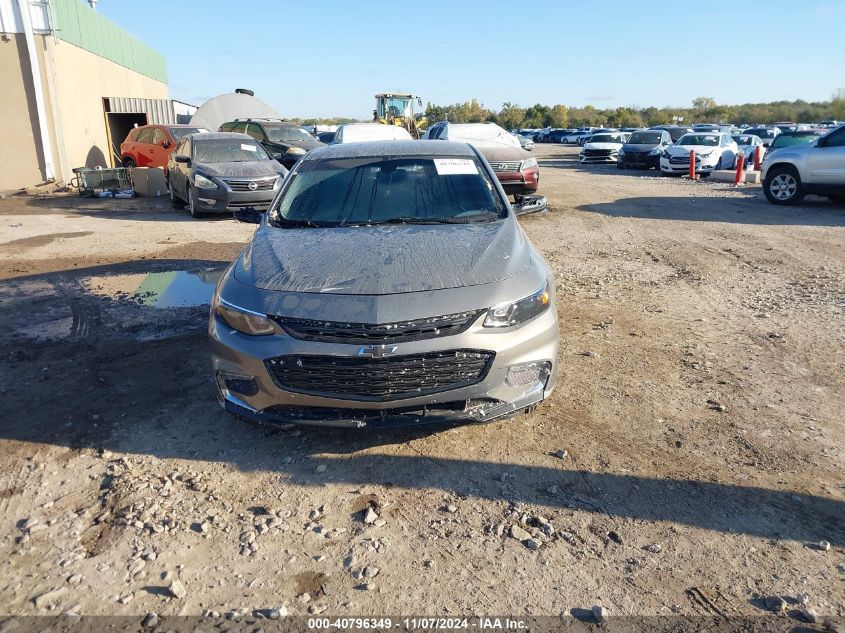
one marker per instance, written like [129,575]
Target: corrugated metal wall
[74,22]
[158,111]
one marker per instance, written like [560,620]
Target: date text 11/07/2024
[417,623]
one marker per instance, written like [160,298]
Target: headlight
[507,314]
[528,163]
[242,320]
[655,152]
[666,154]
[621,152]
[704,154]
[204,183]
[296,151]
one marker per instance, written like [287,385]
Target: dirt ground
[700,405]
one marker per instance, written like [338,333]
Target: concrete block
[723,175]
[149,181]
[753,178]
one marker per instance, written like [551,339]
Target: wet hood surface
[251,169]
[382,260]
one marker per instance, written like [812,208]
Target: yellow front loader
[395,108]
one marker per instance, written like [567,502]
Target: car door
[182,170]
[157,151]
[728,152]
[826,161]
[143,147]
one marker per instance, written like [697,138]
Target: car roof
[377,149]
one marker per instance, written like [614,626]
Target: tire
[129,163]
[175,201]
[783,185]
[192,202]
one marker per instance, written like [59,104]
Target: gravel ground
[690,461]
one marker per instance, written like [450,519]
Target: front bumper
[640,160]
[518,182]
[236,354]
[607,158]
[701,167]
[224,200]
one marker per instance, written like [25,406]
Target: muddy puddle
[172,289]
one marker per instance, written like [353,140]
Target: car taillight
[529,164]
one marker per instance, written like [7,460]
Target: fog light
[209,202]
[527,374]
[237,383]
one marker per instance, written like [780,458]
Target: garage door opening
[118,125]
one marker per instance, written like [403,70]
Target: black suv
[285,141]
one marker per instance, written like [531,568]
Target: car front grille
[399,332]
[262,184]
[596,153]
[380,379]
[682,160]
[242,204]
[506,166]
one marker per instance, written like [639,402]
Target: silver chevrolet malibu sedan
[388,284]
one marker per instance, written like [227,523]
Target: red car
[151,145]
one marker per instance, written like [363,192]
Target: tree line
[512,116]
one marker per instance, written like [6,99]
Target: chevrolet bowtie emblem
[377,351]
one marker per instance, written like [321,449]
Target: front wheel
[783,185]
[129,163]
[175,202]
[192,202]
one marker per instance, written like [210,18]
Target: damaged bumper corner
[530,204]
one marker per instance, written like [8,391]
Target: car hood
[383,260]
[684,150]
[602,145]
[639,147]
[309,145]
[250,169]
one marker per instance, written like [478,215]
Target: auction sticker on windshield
[454,166]
[248,148]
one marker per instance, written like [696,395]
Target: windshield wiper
[298,223]
[415,220]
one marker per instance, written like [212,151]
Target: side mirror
[249,215]
[181,158]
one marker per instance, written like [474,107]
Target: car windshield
[743,140]
[676,133]
[178,132]
[645,138]
[376,190]
[282,133]
[788,140]
[607,138]
[228,150]
[699,139]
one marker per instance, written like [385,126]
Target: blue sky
[329,57]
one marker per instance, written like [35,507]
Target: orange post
[740,167]
[757,152]
[692,174]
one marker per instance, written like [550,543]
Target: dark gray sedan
[389,283]
[222,172]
